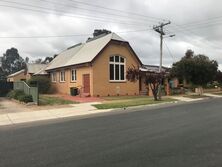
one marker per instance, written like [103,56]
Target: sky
[41,28]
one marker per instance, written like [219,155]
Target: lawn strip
[47,100]
[130,103]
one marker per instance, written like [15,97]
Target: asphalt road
[187,135]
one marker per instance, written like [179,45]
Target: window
[62,76]
[53,76]
[73,75]
[117,68]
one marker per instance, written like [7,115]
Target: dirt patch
[11,106]
[8,106]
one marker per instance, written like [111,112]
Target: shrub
[14,94]
[20,95]
[43,83]
[11,94]
[25,98]
[176,91]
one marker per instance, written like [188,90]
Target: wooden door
[86,83]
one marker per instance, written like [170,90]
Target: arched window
[117,68]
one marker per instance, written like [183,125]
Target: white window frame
[62,79]
[73,71]
[53,77]
[114,65]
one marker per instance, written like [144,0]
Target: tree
[11,62]
[189,54]
[47,60]
[27,60]
[98,32]
[2,75]
[195,69]
[152,79]
[219,77]
[38,61]
[43,83]
[44,61]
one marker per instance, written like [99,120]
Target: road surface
[186,135]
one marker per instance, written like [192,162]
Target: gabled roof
[83,52]
[16,73]
[153,68]
[33,68]
[41,72]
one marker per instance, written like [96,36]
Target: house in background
[94,68]
[34,69]
[17,76]
[97,67]
[144,89]
[26,74]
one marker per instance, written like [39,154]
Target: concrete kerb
[76,110]
[23,117]
[213,95]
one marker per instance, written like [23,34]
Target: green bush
[20,95]
[11,94]
[177,91]
[43,83]
[25,98]
[14,94]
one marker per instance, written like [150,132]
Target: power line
[160,30]
[169,51]
[97,11]
[59,11]
[121,11]
[65,36]
[55,12]
[183,30]
[203,21]
[203,25]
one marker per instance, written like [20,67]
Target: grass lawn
[217,93]
[47,100]
[129,101]
[123,97]
[195,96]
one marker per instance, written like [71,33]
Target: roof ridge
[97,37]
[78,44]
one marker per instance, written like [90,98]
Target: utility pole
[160,30]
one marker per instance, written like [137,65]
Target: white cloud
[202,38]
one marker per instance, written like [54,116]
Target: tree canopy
[44,61]
[152,79]
[98,32]
[196,69]
[11,62]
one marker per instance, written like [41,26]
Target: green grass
[123,97]
[47,100]
[195,96]
[122,102]
[217,93]
[1,107]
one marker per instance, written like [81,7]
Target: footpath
[12,113]
[8,117]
